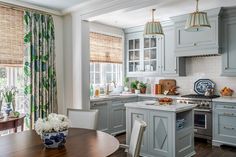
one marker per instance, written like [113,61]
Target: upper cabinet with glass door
[133,55]
[150,54]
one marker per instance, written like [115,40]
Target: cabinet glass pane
[131,44]
[131,55]
[146,54]
[146,42]
[153,66]
[146,65]
[136,66]
[153,42]
[153,54]
[136,55]
[137,44]
[131,66]
[97,78]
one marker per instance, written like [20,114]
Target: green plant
[142,85]
[126,81]
[134,84]
[9,93]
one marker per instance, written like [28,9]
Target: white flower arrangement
[54,123]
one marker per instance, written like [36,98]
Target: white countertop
[123,96]
[225,99]
[176,107]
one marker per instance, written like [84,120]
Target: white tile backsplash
[198,68]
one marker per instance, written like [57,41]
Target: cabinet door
[229,50]
[169,60]
[117,116]
[132,115]
[103,115]
[161,134]
[133,53]
[224,126]
[151,54]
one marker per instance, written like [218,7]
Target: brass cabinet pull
[229,128]
[230,107]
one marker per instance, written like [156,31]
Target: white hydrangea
[54,123]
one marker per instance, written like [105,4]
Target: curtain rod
[23,8]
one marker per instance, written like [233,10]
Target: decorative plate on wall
[201,85]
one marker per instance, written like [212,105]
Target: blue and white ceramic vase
[8,108]
[54,139]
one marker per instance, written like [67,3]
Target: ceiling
[165,10]
[58,5]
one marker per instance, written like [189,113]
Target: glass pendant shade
[197,21]
[153,28]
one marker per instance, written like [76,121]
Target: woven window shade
[11,37]
[105,48]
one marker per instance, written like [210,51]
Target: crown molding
[30,6]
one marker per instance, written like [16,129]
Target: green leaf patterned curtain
[39,66]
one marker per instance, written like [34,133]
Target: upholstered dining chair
[87,119]
[133,149]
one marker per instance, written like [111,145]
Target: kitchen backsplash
[198,68]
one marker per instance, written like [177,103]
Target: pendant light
[153,28]
[197,21]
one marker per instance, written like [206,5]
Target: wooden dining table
[79,143]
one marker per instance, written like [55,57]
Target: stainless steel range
[202,114]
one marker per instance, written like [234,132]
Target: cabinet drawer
[226,106]
[227,124]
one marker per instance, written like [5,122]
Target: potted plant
[53,130]
[134,86]
[8,94]
[143,87]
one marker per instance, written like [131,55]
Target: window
[105,60]
[103,73]
[13,76]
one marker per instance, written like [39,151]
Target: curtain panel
[39,65]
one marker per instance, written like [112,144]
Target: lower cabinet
[103,115]
[139,115]
[161,138]
[117,117]
[111,116]
[161,134]
[224,124]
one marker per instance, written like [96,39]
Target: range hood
[199,43]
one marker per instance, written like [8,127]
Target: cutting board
[167,84]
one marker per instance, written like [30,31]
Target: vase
[8,108]
[54,139]
[143,90]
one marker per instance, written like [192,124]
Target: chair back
[136,138]
[87,119]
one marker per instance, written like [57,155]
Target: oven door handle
[202,110]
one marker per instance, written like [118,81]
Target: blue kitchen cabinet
[229,46]
[224,124]
[200,43]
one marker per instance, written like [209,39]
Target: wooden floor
[202,148]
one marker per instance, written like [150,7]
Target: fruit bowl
[165,101]
[226,92]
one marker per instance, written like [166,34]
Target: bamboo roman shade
[105,48]
[11,37]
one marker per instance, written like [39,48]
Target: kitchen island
[163,137]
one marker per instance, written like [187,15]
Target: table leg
[15,129]
[22,126]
